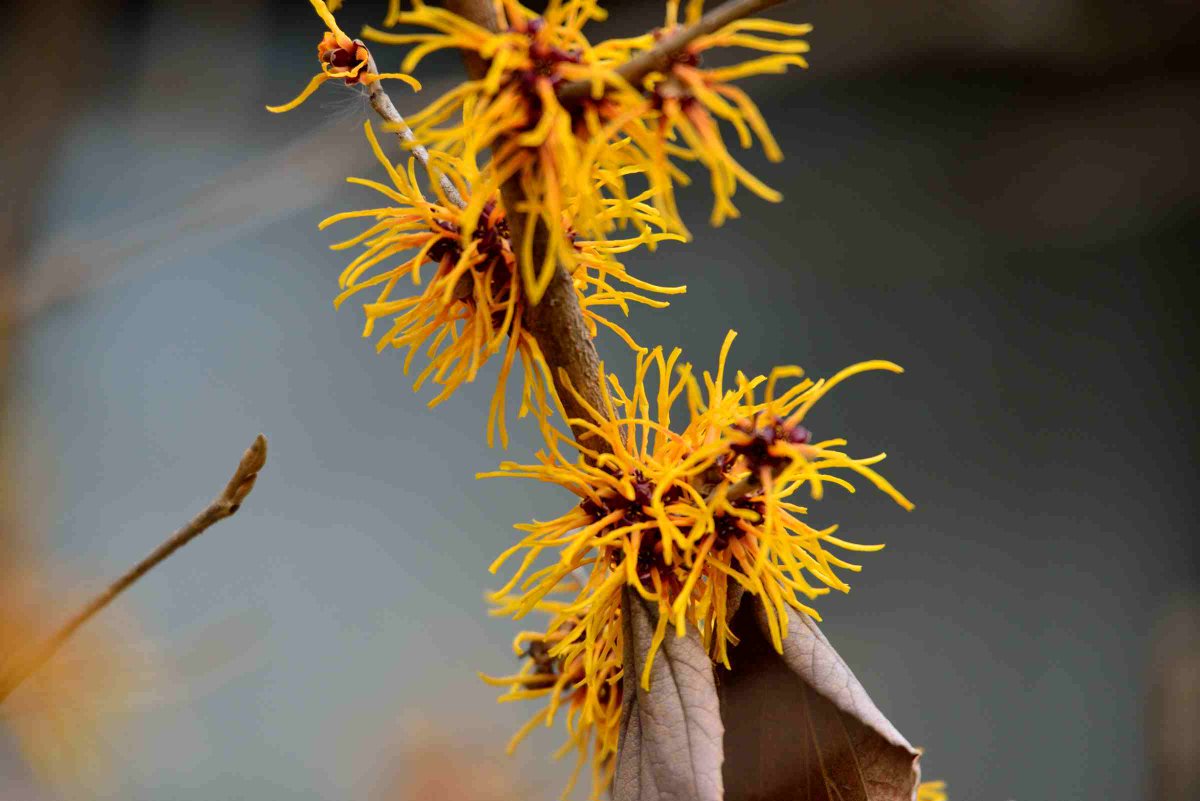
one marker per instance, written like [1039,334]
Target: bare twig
[659,57]
[385,108]
[224,505]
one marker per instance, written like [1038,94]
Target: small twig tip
[255,456]
[242,482]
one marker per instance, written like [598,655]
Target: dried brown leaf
[670,747]
[800,727]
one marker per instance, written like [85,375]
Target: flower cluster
[685,514]
[586,683]
[470,308]
[572,174]
[676,115]
[589,161]
[597,170]
[687,487]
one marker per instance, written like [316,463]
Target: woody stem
[556,321]
[382,103]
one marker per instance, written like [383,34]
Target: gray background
[1000,197]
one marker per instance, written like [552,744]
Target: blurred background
[1001,196]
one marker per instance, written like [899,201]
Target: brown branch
[556,322]
[658,58]
[224,505]
[384,107]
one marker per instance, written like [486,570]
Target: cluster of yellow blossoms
[584,682]
[598,173]
[588,159]
[595,138]
[681,513]
[471,307]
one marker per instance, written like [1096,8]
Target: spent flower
[341,58]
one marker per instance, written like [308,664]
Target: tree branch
[556,322]
[382,103]
[224,505]
[658,58]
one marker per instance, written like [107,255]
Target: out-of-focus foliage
[66,717]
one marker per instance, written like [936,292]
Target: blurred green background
[1001,196]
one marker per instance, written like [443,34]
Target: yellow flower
[932,791]
[689,101]
[761,540]
[572,170]
[340,57]
[470,308]
[591,709]
[597,156]
[678,514]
